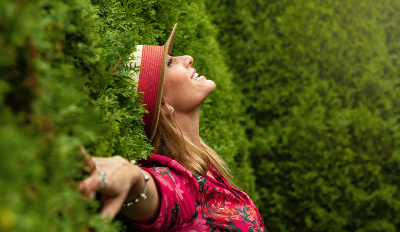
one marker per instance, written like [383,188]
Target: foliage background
[306,106]
[321,80]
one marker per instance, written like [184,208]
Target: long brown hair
[170,141]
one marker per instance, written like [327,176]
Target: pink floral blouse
[190,202]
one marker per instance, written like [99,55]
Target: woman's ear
[167,108]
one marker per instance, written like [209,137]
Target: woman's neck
[189,125]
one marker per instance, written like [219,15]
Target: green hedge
[321,80]
[312,84]
[58,91]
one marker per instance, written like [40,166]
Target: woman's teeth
[195,76]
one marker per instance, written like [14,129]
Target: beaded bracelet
[141,195]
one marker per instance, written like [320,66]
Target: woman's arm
[124,184]
[146,210]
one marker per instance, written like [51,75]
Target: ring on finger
[103,176]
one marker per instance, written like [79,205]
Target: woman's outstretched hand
[113,178]
[118,181]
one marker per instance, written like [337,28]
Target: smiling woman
[185,185]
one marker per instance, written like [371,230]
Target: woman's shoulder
[160,161]
[156,158]
[165,168]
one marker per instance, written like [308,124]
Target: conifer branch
[116,66]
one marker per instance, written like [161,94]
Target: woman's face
[184,89]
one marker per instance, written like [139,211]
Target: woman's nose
[188,61]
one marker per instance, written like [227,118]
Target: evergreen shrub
[65,83]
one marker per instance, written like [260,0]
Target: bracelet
[141,195]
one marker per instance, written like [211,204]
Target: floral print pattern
[191,202]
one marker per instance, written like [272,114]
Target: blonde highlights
[170,142]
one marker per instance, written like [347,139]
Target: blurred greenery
[306,109]
[320,80]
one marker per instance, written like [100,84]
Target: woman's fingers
[112,177]
[94,183]
[97,181]
[91,163]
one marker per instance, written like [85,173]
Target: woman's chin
[212,85]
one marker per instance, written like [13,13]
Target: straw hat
[151,60]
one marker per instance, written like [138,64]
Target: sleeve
[178,190]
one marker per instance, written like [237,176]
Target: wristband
[141,195]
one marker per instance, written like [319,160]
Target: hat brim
[167,48]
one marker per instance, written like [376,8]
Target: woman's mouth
[196,76]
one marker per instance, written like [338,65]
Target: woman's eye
[169,62]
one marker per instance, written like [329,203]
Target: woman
[186,187]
